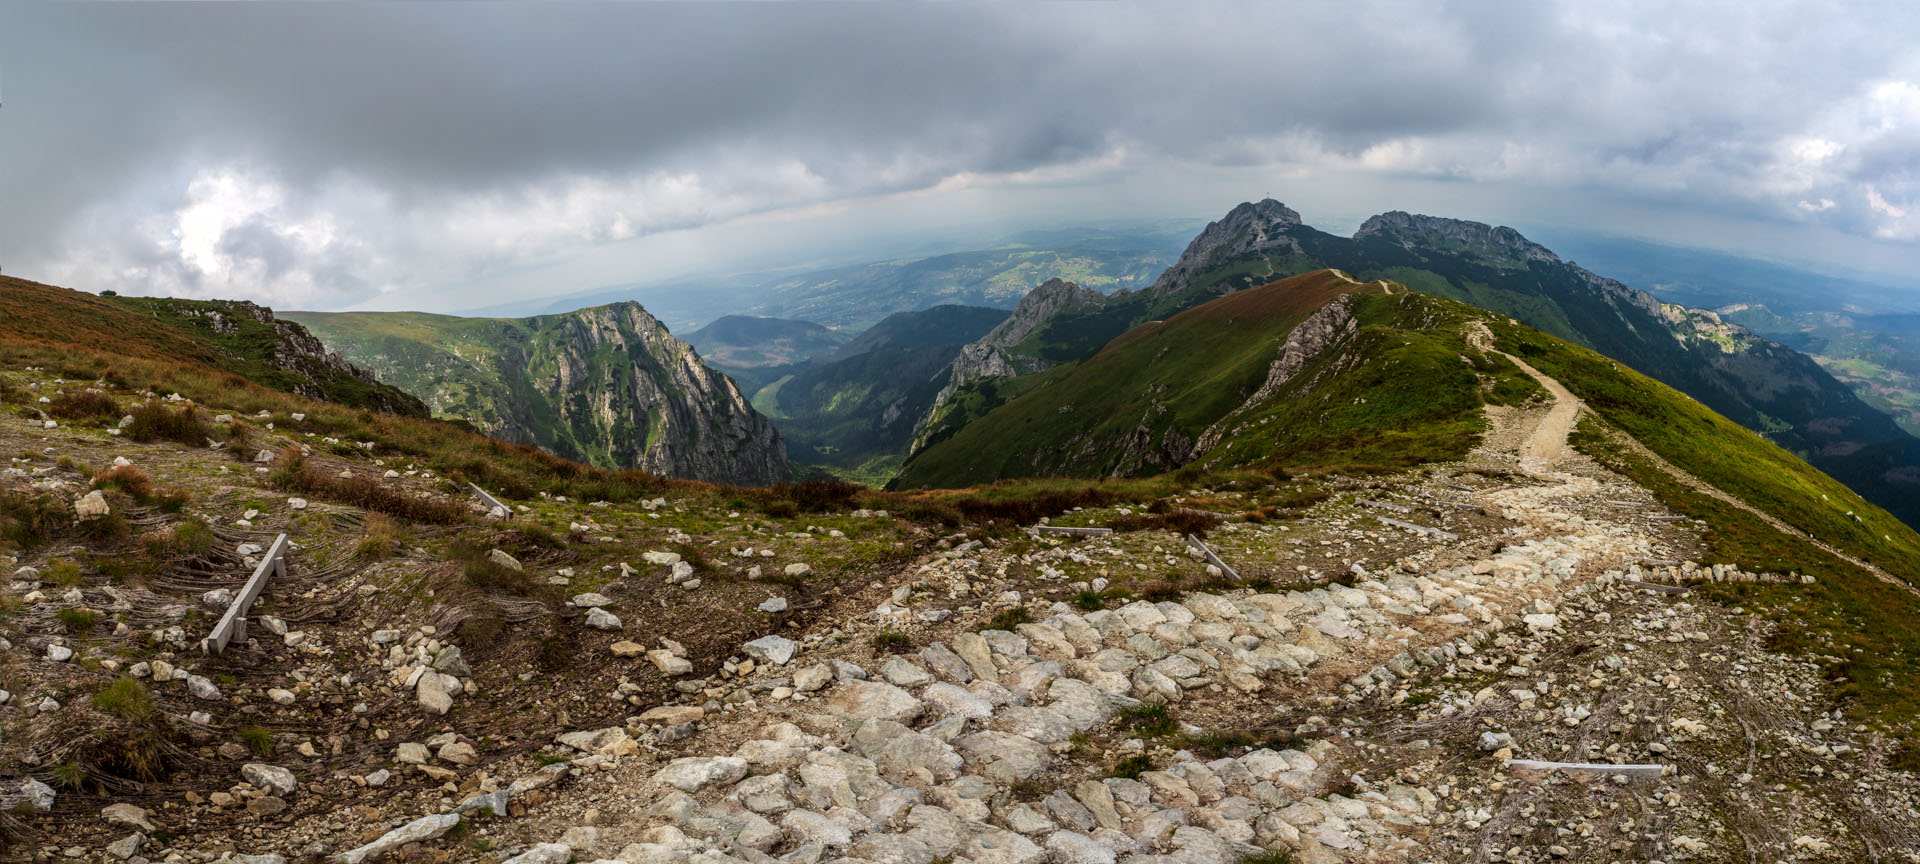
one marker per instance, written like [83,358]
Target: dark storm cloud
[318,153]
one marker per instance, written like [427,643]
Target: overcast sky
[453,156]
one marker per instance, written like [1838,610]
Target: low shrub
[84,405]
[293,472]
[28,521]
[154,421]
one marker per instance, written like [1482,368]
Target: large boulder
[272,778]
[691,774]
[870,700]
[418,831]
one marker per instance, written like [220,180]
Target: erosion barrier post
[233,625]
[1070,529]
[1208,553]
[491,502]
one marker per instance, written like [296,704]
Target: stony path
[997,746]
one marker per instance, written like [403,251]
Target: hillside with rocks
[1564,642]
[606,385]
[228,337]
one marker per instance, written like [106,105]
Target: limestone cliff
[608,385]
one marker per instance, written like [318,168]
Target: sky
[452,156]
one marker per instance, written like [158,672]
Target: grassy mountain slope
[746,342]
[1383,386]
[236,339]
[607,385]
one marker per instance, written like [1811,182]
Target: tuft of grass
[1151,720]
[258,740]
[1008,619]
[194,537]
[69,775]
[28,521]
[78,620]
[1132,767]
[1089,600]
[127,699]
[135,483]
[379,538]
[891,641]
[1271,856]
[62,572]
[1160,590]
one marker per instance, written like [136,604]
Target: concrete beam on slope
[1072,529]
[491,502]
[1433,532]
[233,625]
[1212,558]
[1641,772]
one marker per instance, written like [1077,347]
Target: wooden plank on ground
[491,502]
[1212,558]
[1649,772]
[1668,518]
[233,625]
[1433,532]
[1072,529]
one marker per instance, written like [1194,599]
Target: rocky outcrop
[610,385]
[1477,241]
[1247,230]
[992,355]
[995,355]
[1311,338]
[1250,229]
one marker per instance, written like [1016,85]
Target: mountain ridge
[1766,386]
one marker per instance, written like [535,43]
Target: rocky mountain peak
[1497,245]
[1251,228]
